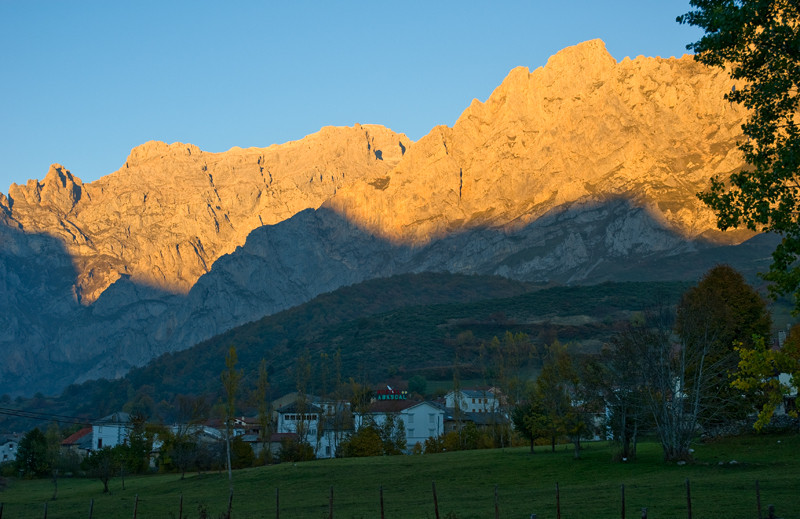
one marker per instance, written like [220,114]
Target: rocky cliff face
[583,127]
[172,210]
[581,171]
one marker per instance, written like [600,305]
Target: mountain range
[581,171]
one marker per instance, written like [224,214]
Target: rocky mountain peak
[157,150]
[581,128]
[57,193]
[580,171]
[173,209]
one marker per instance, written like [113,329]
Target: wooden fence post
[1,510]
[623,501]
[688,499]
[135,505]
[558,502]
[644,513]
[91,508]
[277,503]
[180,508]
[382,516]
[496,504]
[435,501]
[771,512]
[230,503]
[758,499]
[330,504]
[45,510]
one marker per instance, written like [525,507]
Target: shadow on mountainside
[37,298]
[317,251]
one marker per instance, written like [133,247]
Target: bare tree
[677,376]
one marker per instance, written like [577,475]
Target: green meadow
[722,482]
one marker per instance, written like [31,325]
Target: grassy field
[722,478]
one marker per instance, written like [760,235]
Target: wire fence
[332,506]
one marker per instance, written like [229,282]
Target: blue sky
[83,82]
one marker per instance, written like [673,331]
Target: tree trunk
[577,443]
[55,484]
[228,449]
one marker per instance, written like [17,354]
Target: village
[311,422]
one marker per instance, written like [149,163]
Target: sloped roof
[119,417]
[436,405]
[391,406]
[293,408]
[75,438]
[478,418]
[487,392]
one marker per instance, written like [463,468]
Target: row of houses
[324,423]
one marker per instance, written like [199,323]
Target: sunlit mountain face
[581,171]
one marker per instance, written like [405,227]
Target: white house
[790,395]
[111,431]
[474,400]
[421,420]
[321,424]
[8,447]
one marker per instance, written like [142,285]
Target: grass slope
[465,484]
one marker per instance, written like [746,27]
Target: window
[431,418]
[99,443]
[411,432]
[411,418]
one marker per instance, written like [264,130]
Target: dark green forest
[380,330]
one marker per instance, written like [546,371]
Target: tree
[557,390]
[32,455]
[530,418]
[302,374]
[675,376]
[242,455]
[760,369]
[230,383]
[393,435]
[722,310]
[179,449]
[504,363]
[54,458]
[102,464]
[135,452]
[758,41]
[366,441]
[616,377]
[264,410]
